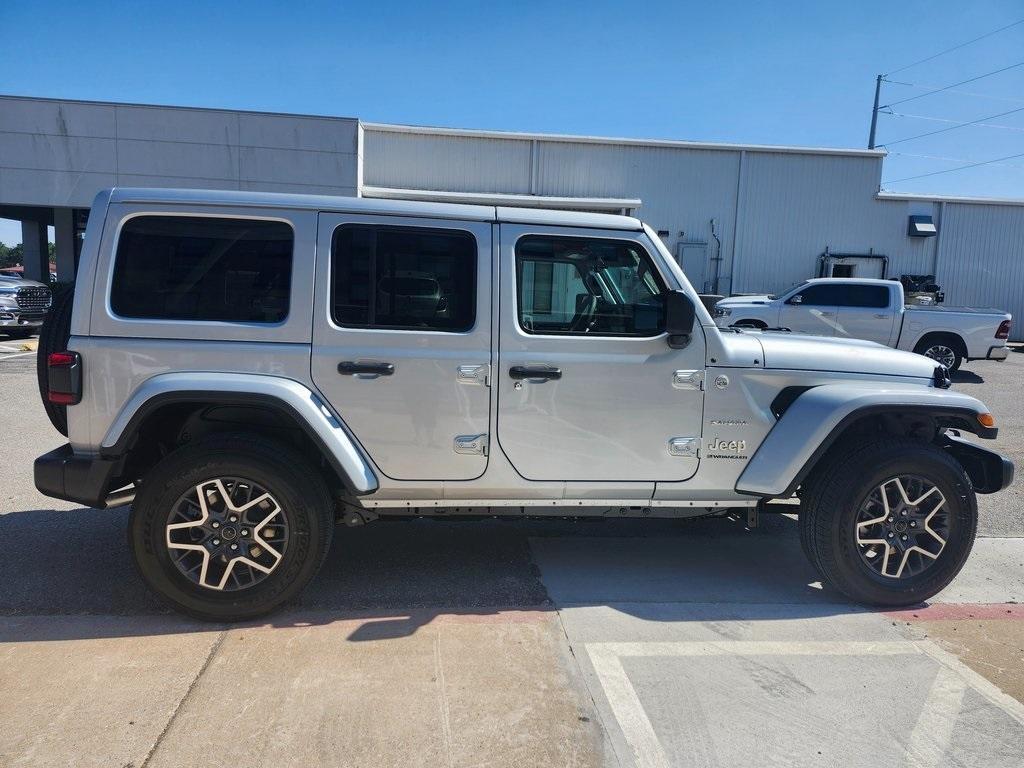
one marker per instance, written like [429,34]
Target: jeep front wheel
[889,522]
[231,527]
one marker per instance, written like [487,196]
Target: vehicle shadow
[966,377]
[393,577]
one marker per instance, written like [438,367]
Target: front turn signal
[986,420]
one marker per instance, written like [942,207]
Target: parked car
[23,306]
[875,310]
[225,366]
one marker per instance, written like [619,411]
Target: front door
[811,310]
[402,340]
[588,387]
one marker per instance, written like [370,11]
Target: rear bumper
[61,474]
[989,471]
[997,353]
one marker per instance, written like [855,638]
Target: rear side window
[875,296]
[403,278]
[200,268]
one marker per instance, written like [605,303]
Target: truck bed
[957,310]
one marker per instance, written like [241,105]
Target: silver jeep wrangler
[248,369]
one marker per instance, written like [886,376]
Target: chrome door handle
[881,315]
[349,368]
[530,372]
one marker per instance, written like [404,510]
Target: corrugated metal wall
[776,211]
[981,258]
[794,206]
[446,163]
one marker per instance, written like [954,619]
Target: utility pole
[874,113]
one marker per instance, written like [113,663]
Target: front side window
[596,287]
[203,268]
[403,278]
[821,295]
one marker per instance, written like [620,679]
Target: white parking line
[20,354]
[934,728]
[9,349]
[931,734]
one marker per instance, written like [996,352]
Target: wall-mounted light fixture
[921,226]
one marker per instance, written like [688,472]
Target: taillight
[64,378]
[1003,331]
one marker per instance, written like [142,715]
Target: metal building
[740,218]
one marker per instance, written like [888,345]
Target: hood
[11,282]
[816,353]
[736,301]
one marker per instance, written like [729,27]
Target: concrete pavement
[522,643]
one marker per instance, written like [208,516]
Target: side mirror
[679,316]
[798,299]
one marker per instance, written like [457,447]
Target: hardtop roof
[362,205]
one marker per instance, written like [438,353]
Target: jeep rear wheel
[889,522]
[231,527]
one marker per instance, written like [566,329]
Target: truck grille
[34,299]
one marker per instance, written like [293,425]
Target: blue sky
[766,73]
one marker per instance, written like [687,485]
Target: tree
[11,257]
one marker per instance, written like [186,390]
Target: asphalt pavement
[525,642]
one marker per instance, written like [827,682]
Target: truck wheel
[945,350]
[231,527]
[889,522]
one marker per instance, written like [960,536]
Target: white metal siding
[981,259]
[795,206]
[681,189]
[58,153]
[446,163]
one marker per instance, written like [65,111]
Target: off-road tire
[54,337]
[831,500]
[285,473]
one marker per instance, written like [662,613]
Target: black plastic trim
[121,447]
[61,474]
[965,419]
[989,471]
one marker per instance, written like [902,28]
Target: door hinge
[472,445]
[474,374]
[684,446]
[688,379]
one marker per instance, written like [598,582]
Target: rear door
[812,310]
[588,387]
[402,339]
[866,312]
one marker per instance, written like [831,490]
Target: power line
[953,127]
[955,85]
[958,168]
[954,122]
[952,159]
[924,87]
[956,47]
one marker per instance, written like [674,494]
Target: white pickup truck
[874,310]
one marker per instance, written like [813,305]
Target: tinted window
[821,295]
[197,268]
[587,287]
[392,277]
[876,296]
